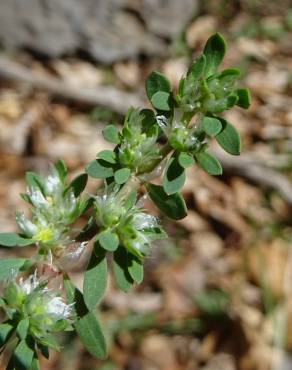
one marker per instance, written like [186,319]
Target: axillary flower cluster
[161,142]
[54,208]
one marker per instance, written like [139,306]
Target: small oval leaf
[111,134]
[78,184]
[244,98]
[108,240]
[108,156]
[14,240]
[95,277]
[172,205]
[99,169]
[212,126]
[185,160]
[120,267]
[10,266]
[214,52]
[174,176]
[160,100]
[122,175]
[157,82]
[87,326]
[209,163]
[229,138]
[136,269]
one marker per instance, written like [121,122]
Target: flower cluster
[181,137]
[126,222]
[214,94]
[137,147]
[31,304]
[55,207]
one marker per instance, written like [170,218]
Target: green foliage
[157,82]
[121,273]
[172,205]
[111,134]
[5,332]
[211,125]
[122,175]
[185,120]
[214,52]
[160,100]
[87,325]
[78,184]
[174,176]
[108,240]
[14,240]
[185,160]
[99,169]
[229,138]
[209,163]
[95,277]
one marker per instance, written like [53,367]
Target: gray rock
[108,30]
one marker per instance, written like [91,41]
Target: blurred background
[218,293]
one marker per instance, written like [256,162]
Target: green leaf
[99,169]
[122,175]
[34,180]
[50,341]
[23,355]
[212,126]
[185,160]
[111,134]
[174,176]
[87,326]
[108,156]
[197,68]
[229,138]
[209,163]
[244,98]
[131,200]
[78,184]
[35,365]
[172,205]
[5,332]
[45,351]
[14,240]
[160,100]
[95,277]
[9,266]
[120,267]
[22,328]
[148,119]
[108,240]
[157,82]
[62,169]
[214,52]
[231,100]
[135,268]
[232,73]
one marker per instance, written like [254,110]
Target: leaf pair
[87,325]
[127,270]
